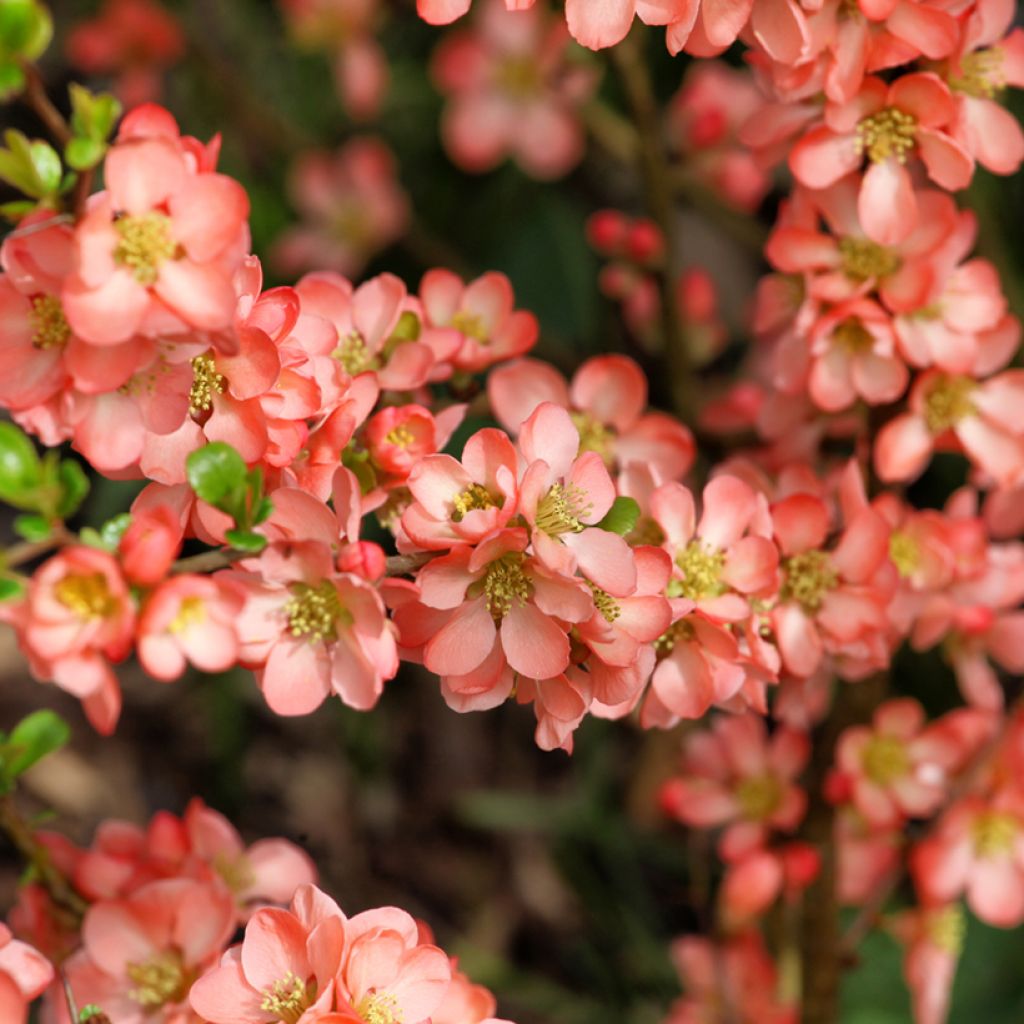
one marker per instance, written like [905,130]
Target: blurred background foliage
[554,878]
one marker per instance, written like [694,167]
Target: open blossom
[76,619]
[607,400]
[977,849]
[133,40]
[189,619]
[312,963]
[953,411]
[352,206]
[480,314]
[828,599]
[899,767]
[310,630]
[24,974]
[886,125]
[733,774]
[933,938]
[141,954]
[165,238]
[513,91]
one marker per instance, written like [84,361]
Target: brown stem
[80,195]
[628,58]
[35,96]
[821,960]
[37,856]
[210,561]
[29,550]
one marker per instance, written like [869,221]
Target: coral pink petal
[534,644]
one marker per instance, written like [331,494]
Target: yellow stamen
[470,324]
[994,833]
[885,760]
[379,1008]
[701,569]
[288,998]
[87,595]
[863,259]
[562,509]
[314,612]
[948,402]
[807,578]
[506,584]
[206,382]
[50,328]
[474,497]
[759,796]
[160,980]
[145,243]
[889,133]
[191,612]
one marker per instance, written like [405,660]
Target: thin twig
[35,97]
[629,62]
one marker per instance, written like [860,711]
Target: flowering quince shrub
[355,470]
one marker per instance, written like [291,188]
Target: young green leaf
[33,527]
[34,737]
[20,470]
[217,473]
[621,517]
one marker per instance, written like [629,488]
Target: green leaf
[92,114]
[19,466]
[218,475]
[245,540]
[359,462]
[33,527]
[621,517]
[47,166]
[17,25]
[262,511]
[12,80]
[82,153]
[34,737]
[16,209]
[74,486]
[11,588]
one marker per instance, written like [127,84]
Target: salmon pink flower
[285,969]
[734,774]
[606,399]
[78,617]
[562,497]
[977,849]
[900,768]
[985,420]
[352,206]
[134,40]
[933,938]
[24,974]
[886,125]
[268,871]
[512,91]
[828,599]
[463,502]
[150,544]
[141,954]
[310,630]
[162,239]
[480,314]
[189,619]
[507,610]
[984,63]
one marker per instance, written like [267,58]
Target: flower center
[994,833]
[379,1008]
[87,595]
[473,498]
[863,259]
[50,327]
[191,612]
[885,760]
[904,553]
[759,796]
[647,531]
[605,603]
[518,76]
[562,509]
[314,612]
[145,242]
[506,584]
[678,632]
[809,576]
[236,872]
[288,998]
[400,437]
[206,382]
[946,928]
[160,980]
[948,402]
[889,133]
[353,354]
[594,436]
[981,73]
[853,336]
[701,569]
[470,324]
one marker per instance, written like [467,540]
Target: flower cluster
[156,908]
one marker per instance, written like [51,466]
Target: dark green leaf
[10,588]
[621,517]
[19,466]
